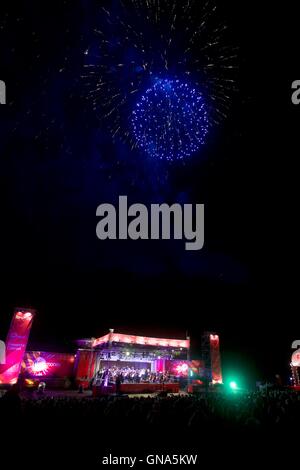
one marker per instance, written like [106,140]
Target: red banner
[85,366]
[16,343]
[215,359]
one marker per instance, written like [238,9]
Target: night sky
[58,163]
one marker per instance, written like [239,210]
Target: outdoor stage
[113,363]
[140,364]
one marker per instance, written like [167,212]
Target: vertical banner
[215,359]
[85,366]
[16,343]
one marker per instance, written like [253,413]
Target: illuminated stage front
[115,361]
[144,363]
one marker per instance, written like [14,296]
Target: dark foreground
[79,431]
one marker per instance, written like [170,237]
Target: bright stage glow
[182,368]
[170,121]
[214,338]
[296,358]
[24,315]
[233,385]
[178,368]
[29,382]
[39,367]
[216,381]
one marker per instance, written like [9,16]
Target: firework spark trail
[137,41]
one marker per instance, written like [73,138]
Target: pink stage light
[182,369]
[214,337]
[296,359]
[23,316]
[39,367]
[217,381]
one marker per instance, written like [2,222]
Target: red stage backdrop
[45,364]
[16,343]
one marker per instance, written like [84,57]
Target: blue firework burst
[177,42]
[170,120]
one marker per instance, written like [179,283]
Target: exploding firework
[158,66]
[170,121]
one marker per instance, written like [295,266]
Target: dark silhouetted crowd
[260,409]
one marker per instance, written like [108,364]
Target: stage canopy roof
[113,337]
